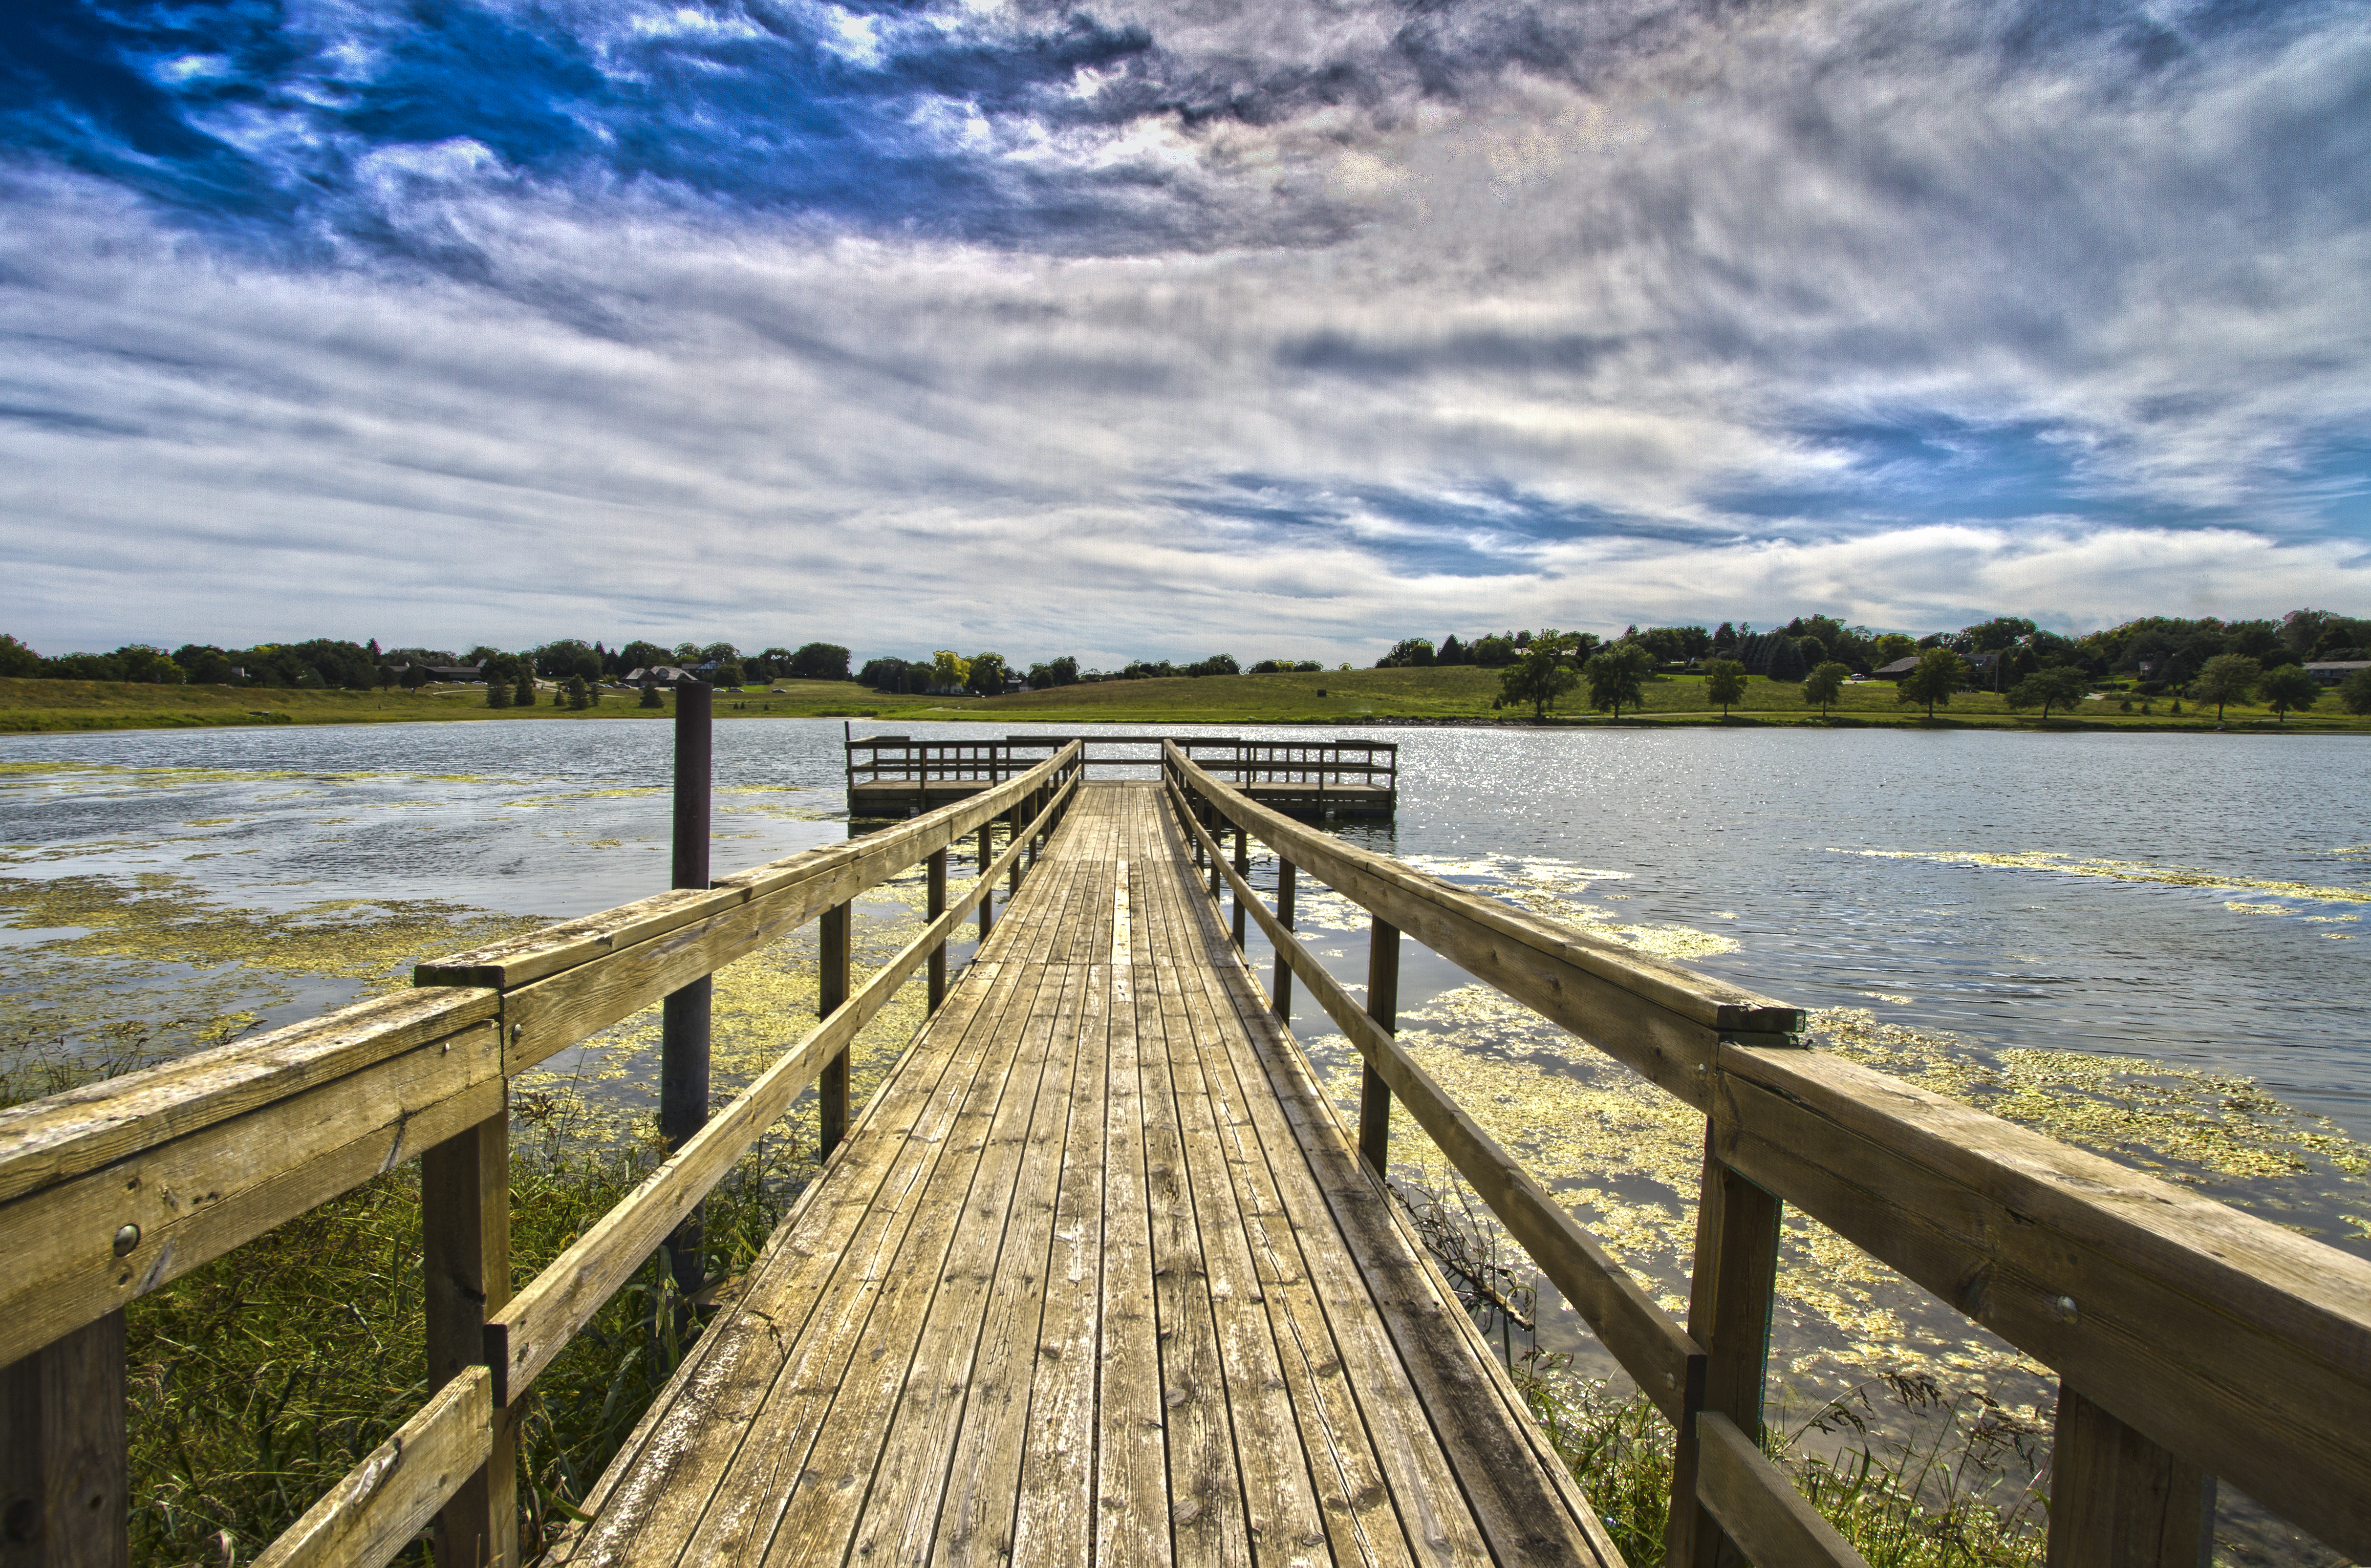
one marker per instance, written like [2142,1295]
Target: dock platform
[1098,1277]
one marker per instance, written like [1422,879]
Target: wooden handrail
[2239,1345]
[1651,1347]
[522,1339]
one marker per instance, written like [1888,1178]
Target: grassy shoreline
[1460,697]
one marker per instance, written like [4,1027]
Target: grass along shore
[1462,694]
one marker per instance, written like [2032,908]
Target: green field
[1462,694]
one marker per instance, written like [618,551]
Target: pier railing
[111,1190]
[883,761]
[2191,1341]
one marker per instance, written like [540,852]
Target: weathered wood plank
[754,1390]
[2240,1346]
[1279,1493]
[2119,1501]
[1131,1481]
[1054,1516]
[1347,1486]
[81,1248]
[1651,1347]
[1732,1286]
[465,1215]
[1759,1507]
[44,1142]
[830,1490]
[1205,1500]
[931,1495]
[1464,1467]
[64,1459]
[385,1501]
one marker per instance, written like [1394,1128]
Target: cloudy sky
[1165,327]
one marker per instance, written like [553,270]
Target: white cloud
[1557,330]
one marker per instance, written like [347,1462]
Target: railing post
[1383,1007]
[65,1487]
[465,1225]
[683,1029]
[2119,1501]
[1013,837]
[987,895]
[1243,870]
[1731,1292]
[1287,881]
[936,907]
[837,932]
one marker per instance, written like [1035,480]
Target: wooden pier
[897,776]
[1098,1278]
[1099,1275]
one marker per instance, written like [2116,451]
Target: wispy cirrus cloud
[1125,332]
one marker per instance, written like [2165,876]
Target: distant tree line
[2007,654]
[325,663]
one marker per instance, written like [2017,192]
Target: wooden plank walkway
[1096,1278]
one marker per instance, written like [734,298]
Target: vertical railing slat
[1732,1289]
[1383,1007]
[836,940]
[65,1491]
[465,1222]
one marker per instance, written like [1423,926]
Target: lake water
[2151,944]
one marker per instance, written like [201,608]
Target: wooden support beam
[1729,1297]
[987,898]
[2119,1501]
[1012,836]
[1383,1007]
[465,1212]
[1242,869]
[936,905]
[1281,994]
[65,1495]
[838,939]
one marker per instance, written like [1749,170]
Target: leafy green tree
[581,695]
[1938,673]
[498,694]
[2228,677]
[1724,683]
[1892,646]
[1824,685]
[820,662]
[1060,672]
[1539,677]
[651,698]
[1617,675]
[984,674]
[950,670]
[1496,652]
[525,690]
[644,656]
[730,673]
[2355,692]
[2061,687]
[1407,653]
[2289,686]
[17,660]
